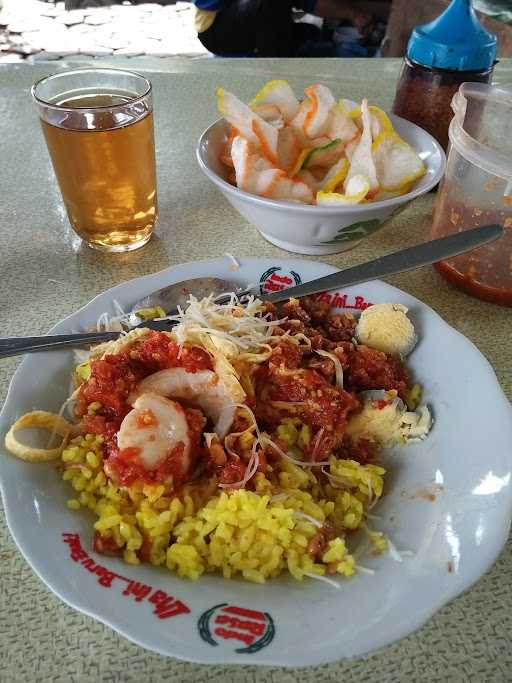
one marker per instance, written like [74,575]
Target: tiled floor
[37,30]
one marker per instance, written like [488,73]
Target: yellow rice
[253,534]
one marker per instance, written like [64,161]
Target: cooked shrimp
[203,388]
[153,429]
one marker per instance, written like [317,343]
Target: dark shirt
[215,5]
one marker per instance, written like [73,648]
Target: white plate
[448,500]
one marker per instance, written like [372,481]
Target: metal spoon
[169,298]
[177,294]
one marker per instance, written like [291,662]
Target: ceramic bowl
[317,230]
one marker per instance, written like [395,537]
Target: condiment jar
[477,190]
[452,49]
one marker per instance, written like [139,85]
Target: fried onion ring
[43,420]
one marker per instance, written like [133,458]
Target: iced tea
[101,144]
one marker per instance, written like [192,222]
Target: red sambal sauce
[364,368]
[112,380]
[115,376]
[286,387]
[294,382]
[159,352]
[372,369]
[125,468]
[233,471]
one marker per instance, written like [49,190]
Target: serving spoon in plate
[169,298]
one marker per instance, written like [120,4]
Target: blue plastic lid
[455,40]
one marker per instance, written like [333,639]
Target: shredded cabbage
[331,582]
[233,327]
[337,366]
[301,463]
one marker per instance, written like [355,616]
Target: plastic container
[477,190]
[452,49]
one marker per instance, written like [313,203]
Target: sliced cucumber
[324,156]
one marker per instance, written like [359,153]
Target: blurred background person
[266,28]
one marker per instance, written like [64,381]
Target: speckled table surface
[46,274]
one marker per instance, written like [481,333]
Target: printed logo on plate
[275,279]
[247,630]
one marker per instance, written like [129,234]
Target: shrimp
[153,429]
[203,388]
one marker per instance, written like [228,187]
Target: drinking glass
[98,126]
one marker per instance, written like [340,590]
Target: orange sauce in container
[477,190]
[486,272]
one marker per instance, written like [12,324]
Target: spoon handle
[14,346]
[398,262]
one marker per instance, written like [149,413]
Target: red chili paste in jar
[486,272]
[424,95]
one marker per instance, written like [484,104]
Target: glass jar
[477,190]
[424,95]
[453,49]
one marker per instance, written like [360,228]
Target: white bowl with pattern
[317,230]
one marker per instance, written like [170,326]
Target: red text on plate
[337,300]
[165,605]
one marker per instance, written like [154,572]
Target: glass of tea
[98,126]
